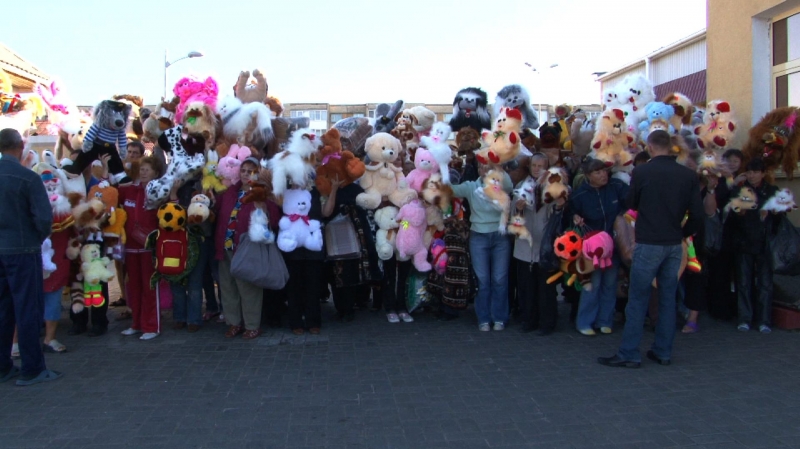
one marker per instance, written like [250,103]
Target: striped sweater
[107,135]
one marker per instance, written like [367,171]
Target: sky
[346,52]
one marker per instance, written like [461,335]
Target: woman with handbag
[352,264]
[139,261]
[242,300]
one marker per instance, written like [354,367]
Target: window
[295,114]
[371,113]
[336,117]
[786,61]
[320,115]
[447,118]
[318,132]
[358,115]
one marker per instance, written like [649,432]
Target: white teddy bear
[295,228]
[387,231]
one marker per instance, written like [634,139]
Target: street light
[191,54]
[552,66]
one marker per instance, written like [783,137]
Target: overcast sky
[350,51]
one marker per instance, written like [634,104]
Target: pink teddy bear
[599,247]
[409,241]
[228,166]
[190,89]
[425,165]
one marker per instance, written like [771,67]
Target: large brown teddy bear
[776,140]
[336,164]
[383,179]
[251,92]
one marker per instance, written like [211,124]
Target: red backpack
[171,252]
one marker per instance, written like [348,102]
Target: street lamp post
[191,54]
[538,72]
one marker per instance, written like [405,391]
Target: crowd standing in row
[224,192]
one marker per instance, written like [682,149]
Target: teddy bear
[470,109]
[295,228]
[247,123]
[682,108]
[228,167]
[516,97]
[212,180]
[493,191]
[782,201]
[186,159]
[382,179]
[251,90]
[634,94]
[425,120]
[47,258]
[526,192]
[89,215]
[717,110]
[715,135]
[657,111]
[503,140]
[611,138]
[190,89]
[549,142]
[439,256]
[436,144]
[405,130]
[425,164]
[199,118]
[411,219]
[467,141]
[436,193]
[336,163]
[745,200]
[581,133]
[555,185]
[94,270]
[516,227]
[199,209]
[115,217]
[776,140]
[387,231]
[564,119]
[296,163]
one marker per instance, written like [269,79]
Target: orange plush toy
[336,164]
[503,141]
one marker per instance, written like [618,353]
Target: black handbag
[548,260]
[713,235]
[784,247]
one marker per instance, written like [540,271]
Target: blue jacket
[26,214]
[599,207]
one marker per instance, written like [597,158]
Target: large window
[336,117]
[786,61]
[311,114]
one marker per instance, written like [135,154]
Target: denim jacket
[26,214]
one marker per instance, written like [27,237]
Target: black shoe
[544,332]
[443,316]
[652,356]
[76,329]
[617,362]
[527,328]
[97,331]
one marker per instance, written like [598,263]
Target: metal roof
[11,62]
[692,38]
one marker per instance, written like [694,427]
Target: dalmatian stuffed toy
[186,159]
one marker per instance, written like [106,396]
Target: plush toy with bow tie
[295,228]
[336,164]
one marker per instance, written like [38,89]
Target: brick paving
[427,385]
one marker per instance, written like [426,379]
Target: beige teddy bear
[249,91]
[383,179]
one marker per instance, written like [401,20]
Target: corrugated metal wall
[616,79]
[684,61]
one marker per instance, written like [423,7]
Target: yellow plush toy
[612,138]
[211,180]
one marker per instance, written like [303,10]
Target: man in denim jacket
[24,225]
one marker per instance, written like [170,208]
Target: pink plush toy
[599,246]
[228,166]
[425,165]
[411,218]
[190,89]
[51,97]
[439,253]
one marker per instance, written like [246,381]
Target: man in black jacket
[750,230]
[662,192]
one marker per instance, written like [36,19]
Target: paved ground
[426,385]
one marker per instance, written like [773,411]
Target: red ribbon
[295,217]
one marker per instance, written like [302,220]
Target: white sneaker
[606,330]
[484,327]
[764,329]
[149,336]
[130,331]
[392,317]
[406,317]
[499,326]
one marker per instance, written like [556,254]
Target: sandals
[45,376]
[234,331]
[690,328]
[251,334]
[118,303]
[208,316]
[54,347]
[298,331]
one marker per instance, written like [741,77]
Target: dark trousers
[395,275]
[210,277]
[305,277]
[344,298]
[21,305]
[754,288]
[274,305]
[721,301]
[538,301]
[99,148]
[99,314]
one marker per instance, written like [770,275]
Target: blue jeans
[651,262]
[596,307]
[187,300]
[21,305]
[491,254]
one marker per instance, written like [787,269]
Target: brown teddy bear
[249,91]
[775,139]
[336,164]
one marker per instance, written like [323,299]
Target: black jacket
[662,192]
[599,207]
[748,231]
